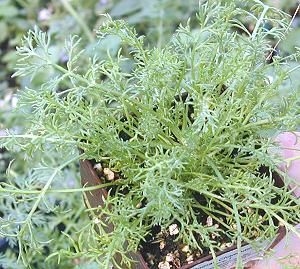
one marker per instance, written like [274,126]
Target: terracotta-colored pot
[226,259]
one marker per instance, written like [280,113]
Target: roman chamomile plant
[185,127]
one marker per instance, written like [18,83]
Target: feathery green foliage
[181,121]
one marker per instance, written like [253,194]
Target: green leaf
[289,44]
[126,7]
[3,31]
[7,10]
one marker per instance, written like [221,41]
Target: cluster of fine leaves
[184,124]
[21,186]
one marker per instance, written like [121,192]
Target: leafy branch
[182,125]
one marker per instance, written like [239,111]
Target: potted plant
[179,136]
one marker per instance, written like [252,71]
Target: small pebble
[249,210]
[198,254]
[98,167]
[110,175]
[96,220]
[164,265]
[190,258]
[185,248]
[209,221]
[169,257]
[223,246]
[234,226]
[162,244]
[173,229]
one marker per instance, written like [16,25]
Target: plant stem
[32,137]
[239,234]
[258,23]
[79,20]
[160,28]
[27,221]
[20,191]
[286,30]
